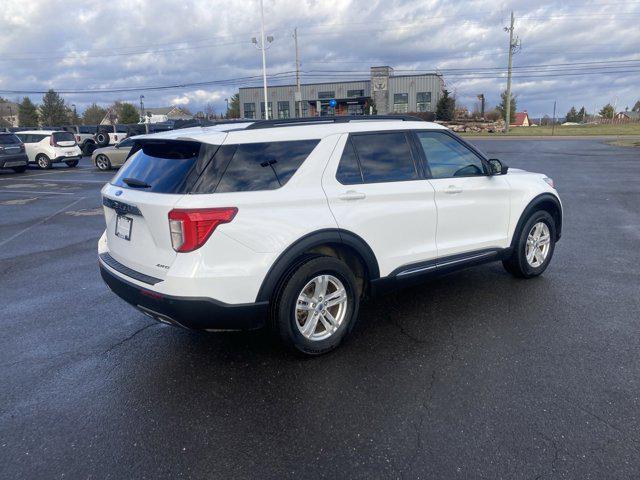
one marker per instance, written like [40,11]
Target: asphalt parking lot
[473,375]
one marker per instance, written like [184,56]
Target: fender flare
[288,258]
[531,207]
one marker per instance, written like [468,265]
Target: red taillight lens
[115,137]
[22,147]
[52,141]
[78,138]
[190,228]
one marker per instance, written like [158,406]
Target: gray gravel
[473,375]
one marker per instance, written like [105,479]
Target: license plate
[123,227]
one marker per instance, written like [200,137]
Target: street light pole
[264,62]
[142,109]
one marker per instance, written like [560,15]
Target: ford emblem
[118,193]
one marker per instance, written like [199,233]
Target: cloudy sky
[575,52]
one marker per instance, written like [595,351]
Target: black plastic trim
[321,237]
[531,207]
[198,313]
[121,208]
[293,122]
[129,272]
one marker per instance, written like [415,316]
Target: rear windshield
[8,139]
[63,137]
[190,167]
[162,167]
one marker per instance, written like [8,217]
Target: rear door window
[262,166]
[385,157]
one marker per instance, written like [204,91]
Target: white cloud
[72,45]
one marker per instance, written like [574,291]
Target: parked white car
[46,147]
[290,223]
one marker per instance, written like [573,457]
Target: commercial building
[389,93]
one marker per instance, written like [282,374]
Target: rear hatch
[10,144]
[63,139]
[138,200]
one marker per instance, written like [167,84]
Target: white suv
[290,223]
[46,147]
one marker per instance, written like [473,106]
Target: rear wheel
[534,247]
[72,163]
[88,148]
[43,161]
[317,306]
[103,163]
[21,169]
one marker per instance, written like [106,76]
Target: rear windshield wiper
[132,182]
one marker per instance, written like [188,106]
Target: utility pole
[263,47]
[553,121]
[513,45]
[298,96]
[481,98]
[142,116]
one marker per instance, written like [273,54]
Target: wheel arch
[547,202]
[335,240]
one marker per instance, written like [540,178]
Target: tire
[21,169]
[518,264]
[102,138]
[43,161]
[88,148]
[103,163]
[72,163]
[288,318]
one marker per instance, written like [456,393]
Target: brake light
[191,228]
[115,137]
[52,141]
[78,138]
[22,147]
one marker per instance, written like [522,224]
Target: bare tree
[209,111]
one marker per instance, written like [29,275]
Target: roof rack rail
[292,122]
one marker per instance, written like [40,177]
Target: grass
[624,143]
[569,130]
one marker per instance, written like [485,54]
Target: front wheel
[534,247]
[72,163]
[317,306]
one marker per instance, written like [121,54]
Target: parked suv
[46,147]
[84,137]
[290,223]
[12,153]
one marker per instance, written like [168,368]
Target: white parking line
[37,192]
[16,235]
[68,181]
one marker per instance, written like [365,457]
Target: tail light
[191,228]
[115,137]
[22,148]
[52,142]
[78,138]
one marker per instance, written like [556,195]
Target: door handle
[352,195]
[452,189]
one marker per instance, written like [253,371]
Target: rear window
[165,166]
[63,137]
[8,139]
[254,166]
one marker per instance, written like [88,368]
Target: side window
[264,166]
[449,158]
[23,137]
[349,172]
[126,143]
[385,157]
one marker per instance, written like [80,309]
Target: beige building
[9,114]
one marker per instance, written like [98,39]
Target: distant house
[8,114]
[628,115]
[151,115]
[521,120]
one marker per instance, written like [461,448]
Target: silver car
[114,156]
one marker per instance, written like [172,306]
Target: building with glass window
[388,92]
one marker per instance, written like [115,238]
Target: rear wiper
[132,182]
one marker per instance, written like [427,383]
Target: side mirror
[497,167]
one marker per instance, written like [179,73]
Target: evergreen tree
[53,110]
[582,115]
[128,113]
[502,108]
[234,106]
[93,115]
[27,113]
[446,107]
[607,111]
[572,115]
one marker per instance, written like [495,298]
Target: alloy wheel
[321,307]
[538,244]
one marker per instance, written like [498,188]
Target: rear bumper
[18,160]
[190,312]
[66,159]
